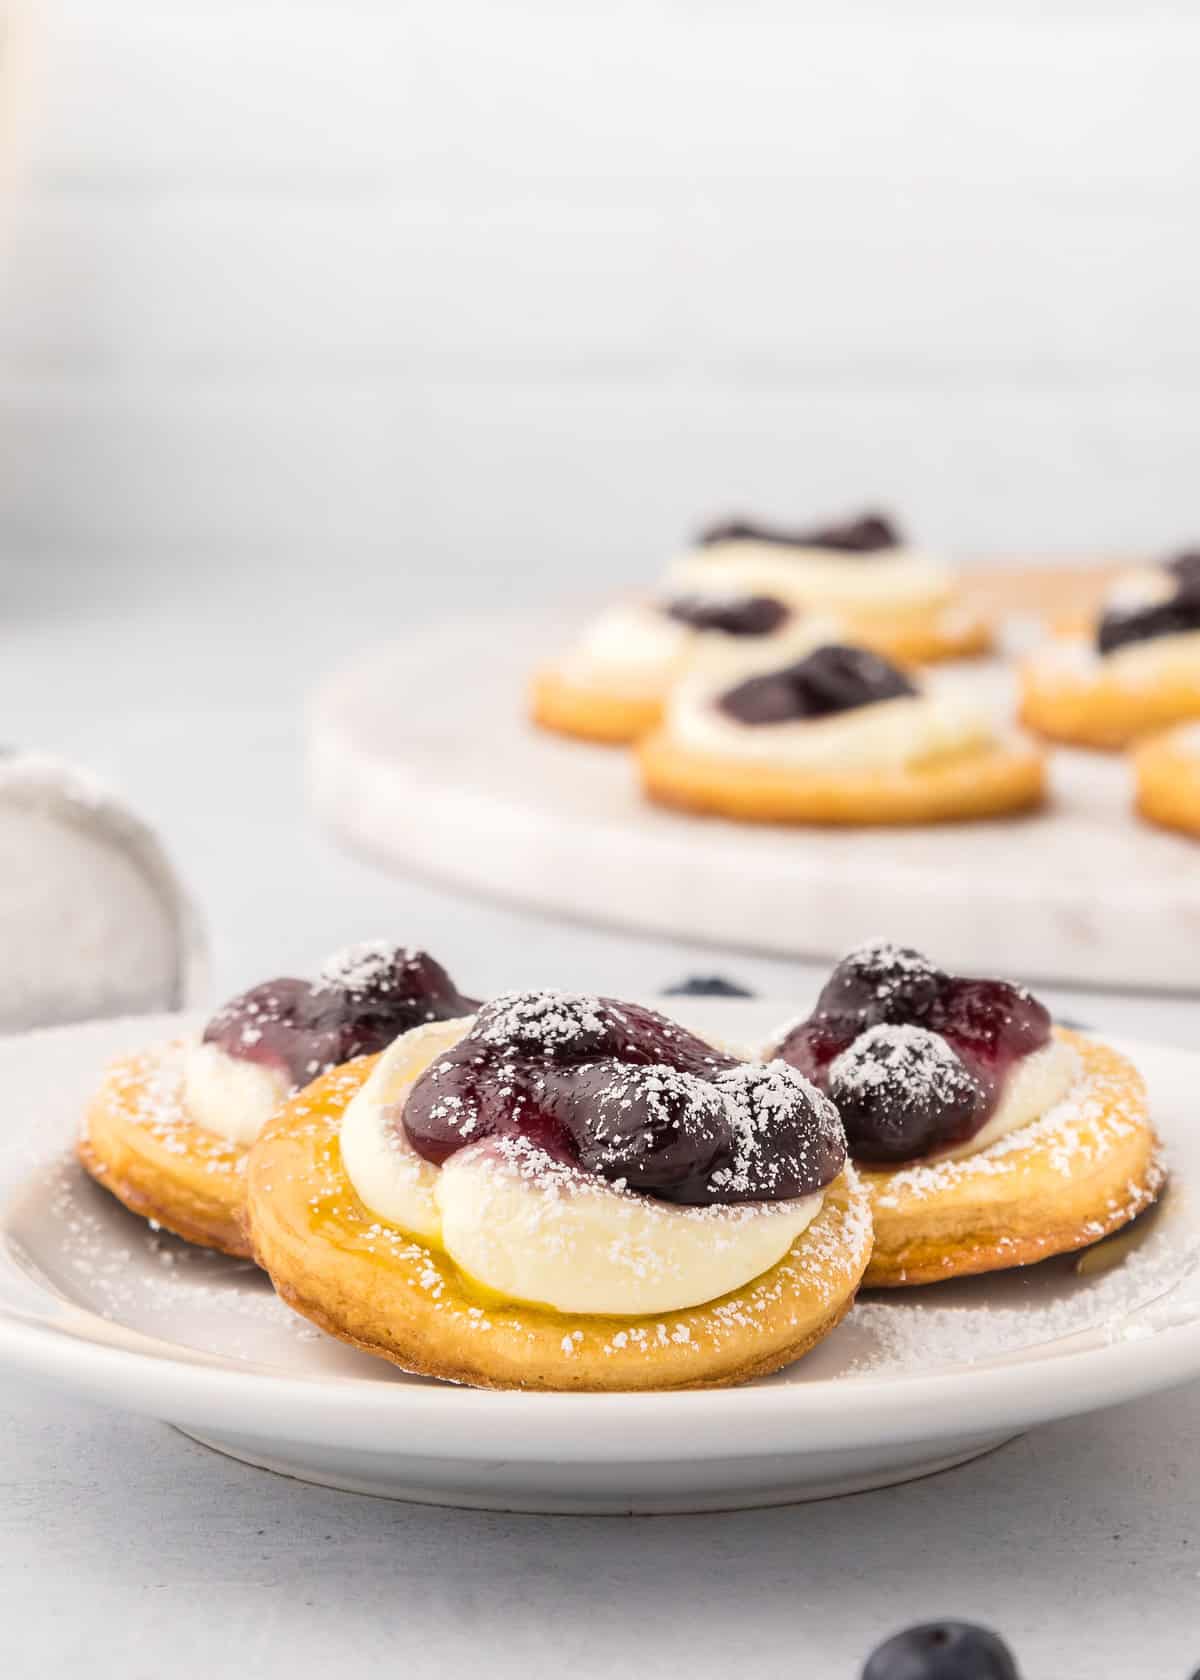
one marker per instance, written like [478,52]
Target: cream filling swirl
[539,1233]
[228,1096]
[1157,659]
[638,646]
[899,580]
[889,735]
[1033,1086]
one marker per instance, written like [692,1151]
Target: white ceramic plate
[436,725]
[92,1301]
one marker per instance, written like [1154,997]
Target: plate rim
[190,1385]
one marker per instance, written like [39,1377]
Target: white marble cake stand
[420,756]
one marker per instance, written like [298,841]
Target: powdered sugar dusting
[550,1020]
[909,1060]
[761,1098]
[1103,1106]
[373,965]
[148,1089]
[961,1324]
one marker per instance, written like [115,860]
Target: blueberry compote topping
[729,615]
[362,999]
[828,680]
[942,1651]
[914,1058]
[1176,614]
[621,1092]
[870,533]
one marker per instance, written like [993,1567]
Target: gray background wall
[514,293]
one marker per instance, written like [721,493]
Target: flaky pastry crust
[990,783]
[369,1284]
[606,714]
[138,1142]
[1058,1184]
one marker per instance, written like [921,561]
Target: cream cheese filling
[640,648]
[1033,1086]
[888,735]
[896,580]
[543,1234]
[228,1096]
[631,643]
[1157,659]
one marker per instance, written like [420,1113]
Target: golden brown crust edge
[1095,709]
[371,1286]
[138,1144]
[589,712]
[1000,782]
[928,642]
[1065,1187]
[1167,785]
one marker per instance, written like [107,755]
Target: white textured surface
[455,281]
[470,792]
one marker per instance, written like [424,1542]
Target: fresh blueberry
[942,1651]
[707,985]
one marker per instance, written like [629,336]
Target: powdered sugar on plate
[919,1332]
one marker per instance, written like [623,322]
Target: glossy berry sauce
[360,1002]
[729,615]
[914,1058]
[621,1092]
[828,680]
[870,533]
[1177,614]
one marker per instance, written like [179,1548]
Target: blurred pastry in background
[1166,772]
[170,1129]
[612,683]
[839,736]
[1137,672]
[900,601]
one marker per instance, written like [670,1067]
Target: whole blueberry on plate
[942,1651]
[707,985]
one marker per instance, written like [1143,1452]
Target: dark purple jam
[1176,614]
[828,680]
[729,615]
[621,1092]
[361,1001]
[904,1093]
[870,533]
